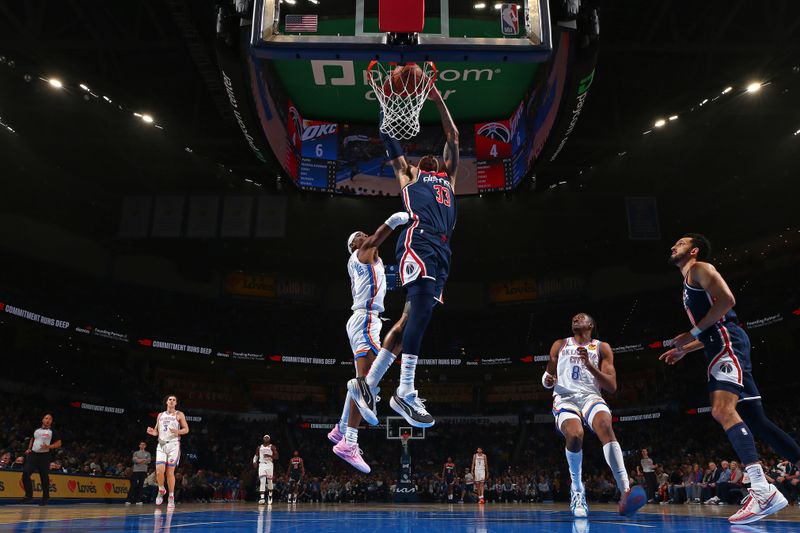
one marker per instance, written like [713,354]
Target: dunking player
[368,286]
[735,400]
[578,368]
[480,466]
[266,453]
[297,471]
[170,425]
[449,477]
[423,250]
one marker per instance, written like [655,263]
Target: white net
[401,92]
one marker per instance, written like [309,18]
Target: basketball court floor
[383,518]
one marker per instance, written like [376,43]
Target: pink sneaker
[335,435]
[352,454]
[757,506]
[160,497]
[171,502]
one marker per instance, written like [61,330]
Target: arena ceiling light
[84,87]
[660,123]
[54,82]
[754,87]
[480,6]
[727,90]
[147,118]
[673,117]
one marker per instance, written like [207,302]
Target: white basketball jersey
[572,376]
[367,283]
[165,422]
[480,462]
[265,454]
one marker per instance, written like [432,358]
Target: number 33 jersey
[572,375]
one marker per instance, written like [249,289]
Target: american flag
[301,23]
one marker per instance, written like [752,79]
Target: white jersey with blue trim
[572,376]
[166,421]
[367,283]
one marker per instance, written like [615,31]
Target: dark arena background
[177,178]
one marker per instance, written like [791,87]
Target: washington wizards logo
[410,268]
[726,367]
[495,131]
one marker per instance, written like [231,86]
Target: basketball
[407,79]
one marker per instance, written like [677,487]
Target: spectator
[724,477]
[141,462]
[694,486]
[5,461]
[709,483]
[648,468]
[149,486]
[543,490]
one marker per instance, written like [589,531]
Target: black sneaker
[365,400]
[412,408]
[26,500]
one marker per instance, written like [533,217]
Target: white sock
[757,480]
[379,367]
[351,435]
[269,486]
[261,483]
[613,454]
[345,414]
[408,367]
[575,462]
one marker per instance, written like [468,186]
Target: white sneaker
[262,501]
[171,502]
[160,497]
[759,505]
[712,500]
[578,505]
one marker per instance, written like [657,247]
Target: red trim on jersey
[409,232]
[726,348]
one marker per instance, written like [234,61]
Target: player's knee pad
[419,315]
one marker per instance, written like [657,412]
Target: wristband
[544,380]
[695,331]
[397,219]
[392,145]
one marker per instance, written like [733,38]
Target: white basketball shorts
[583,407]
[364,332]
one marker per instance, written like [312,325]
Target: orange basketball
[407,79]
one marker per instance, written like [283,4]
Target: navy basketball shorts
[727,349]
[424,255]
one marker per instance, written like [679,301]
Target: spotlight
[55,83]
[479,6]
[673,117]
[84,87]
[753,87]
[147,118]
[727,90]
[498,6]
[660,123]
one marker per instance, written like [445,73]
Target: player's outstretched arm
[705,275]
[549,376]
[397,158]
[450,154]
[367,249]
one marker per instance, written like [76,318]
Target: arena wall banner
[66,487]
[252,285]
[523,290]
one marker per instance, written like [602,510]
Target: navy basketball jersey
[431,203]
[697,303]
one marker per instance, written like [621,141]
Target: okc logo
[318,130]
[495,131]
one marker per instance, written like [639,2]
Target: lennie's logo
[495,131]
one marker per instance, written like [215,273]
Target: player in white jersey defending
[480,466]
[266,453]
[170,425]
[368,287]
[579,368]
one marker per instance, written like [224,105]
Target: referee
[38,458]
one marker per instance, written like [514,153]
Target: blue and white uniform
[726,345]
[423,248]
[577,393]
[368,286]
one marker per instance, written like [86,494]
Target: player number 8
[576,372]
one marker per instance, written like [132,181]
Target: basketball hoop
[401,92]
